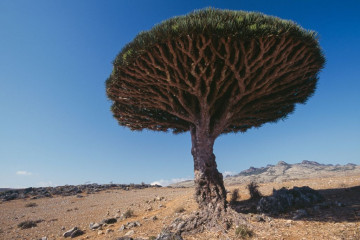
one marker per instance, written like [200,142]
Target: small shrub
[129,213]
[31,205]
[179,210]
[243,232]
[28,224]
[253,188]
[234,196]
[152,238]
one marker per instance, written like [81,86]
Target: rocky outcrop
[283,171]
[67,190]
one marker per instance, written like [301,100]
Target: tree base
[205,220]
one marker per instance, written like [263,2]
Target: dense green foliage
[244,25]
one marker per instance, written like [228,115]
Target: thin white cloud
[23,173]
[46,184]
[165,183]
[228,173]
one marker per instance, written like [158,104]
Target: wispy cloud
[46,184]
[228,173]
[23,173]
[164,183]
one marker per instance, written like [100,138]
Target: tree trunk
[210,192]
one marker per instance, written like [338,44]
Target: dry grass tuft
[31,205]
[28,224]
[243,232]
[129,213]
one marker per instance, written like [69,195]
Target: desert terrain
[141,211]
[154,208]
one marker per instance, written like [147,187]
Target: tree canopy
[230,70]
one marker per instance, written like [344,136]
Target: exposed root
[206,220]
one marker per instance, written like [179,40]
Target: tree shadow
[340,205]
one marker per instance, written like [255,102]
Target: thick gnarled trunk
[210,192]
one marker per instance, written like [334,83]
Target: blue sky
[56,127]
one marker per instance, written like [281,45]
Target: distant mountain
[4,189]
[283,171]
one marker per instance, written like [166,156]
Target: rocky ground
[142,213]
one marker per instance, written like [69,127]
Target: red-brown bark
[210,192]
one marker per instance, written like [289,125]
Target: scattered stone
[44,238]
[100,232]
[154,218]
[132,224]
[109,231]
[122,227]
[258,218]
[180,226]
[284,200]
[124,238]
[76,233]
[159,198]
[94,226]
[129,233]
[288,223]
[69,232]
[168,236]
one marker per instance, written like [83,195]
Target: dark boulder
[169,236]
[109,221]
[284,200]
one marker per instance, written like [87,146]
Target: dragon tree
[213,72]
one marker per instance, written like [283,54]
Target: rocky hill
[7,194]
[4,189]
[283,171]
